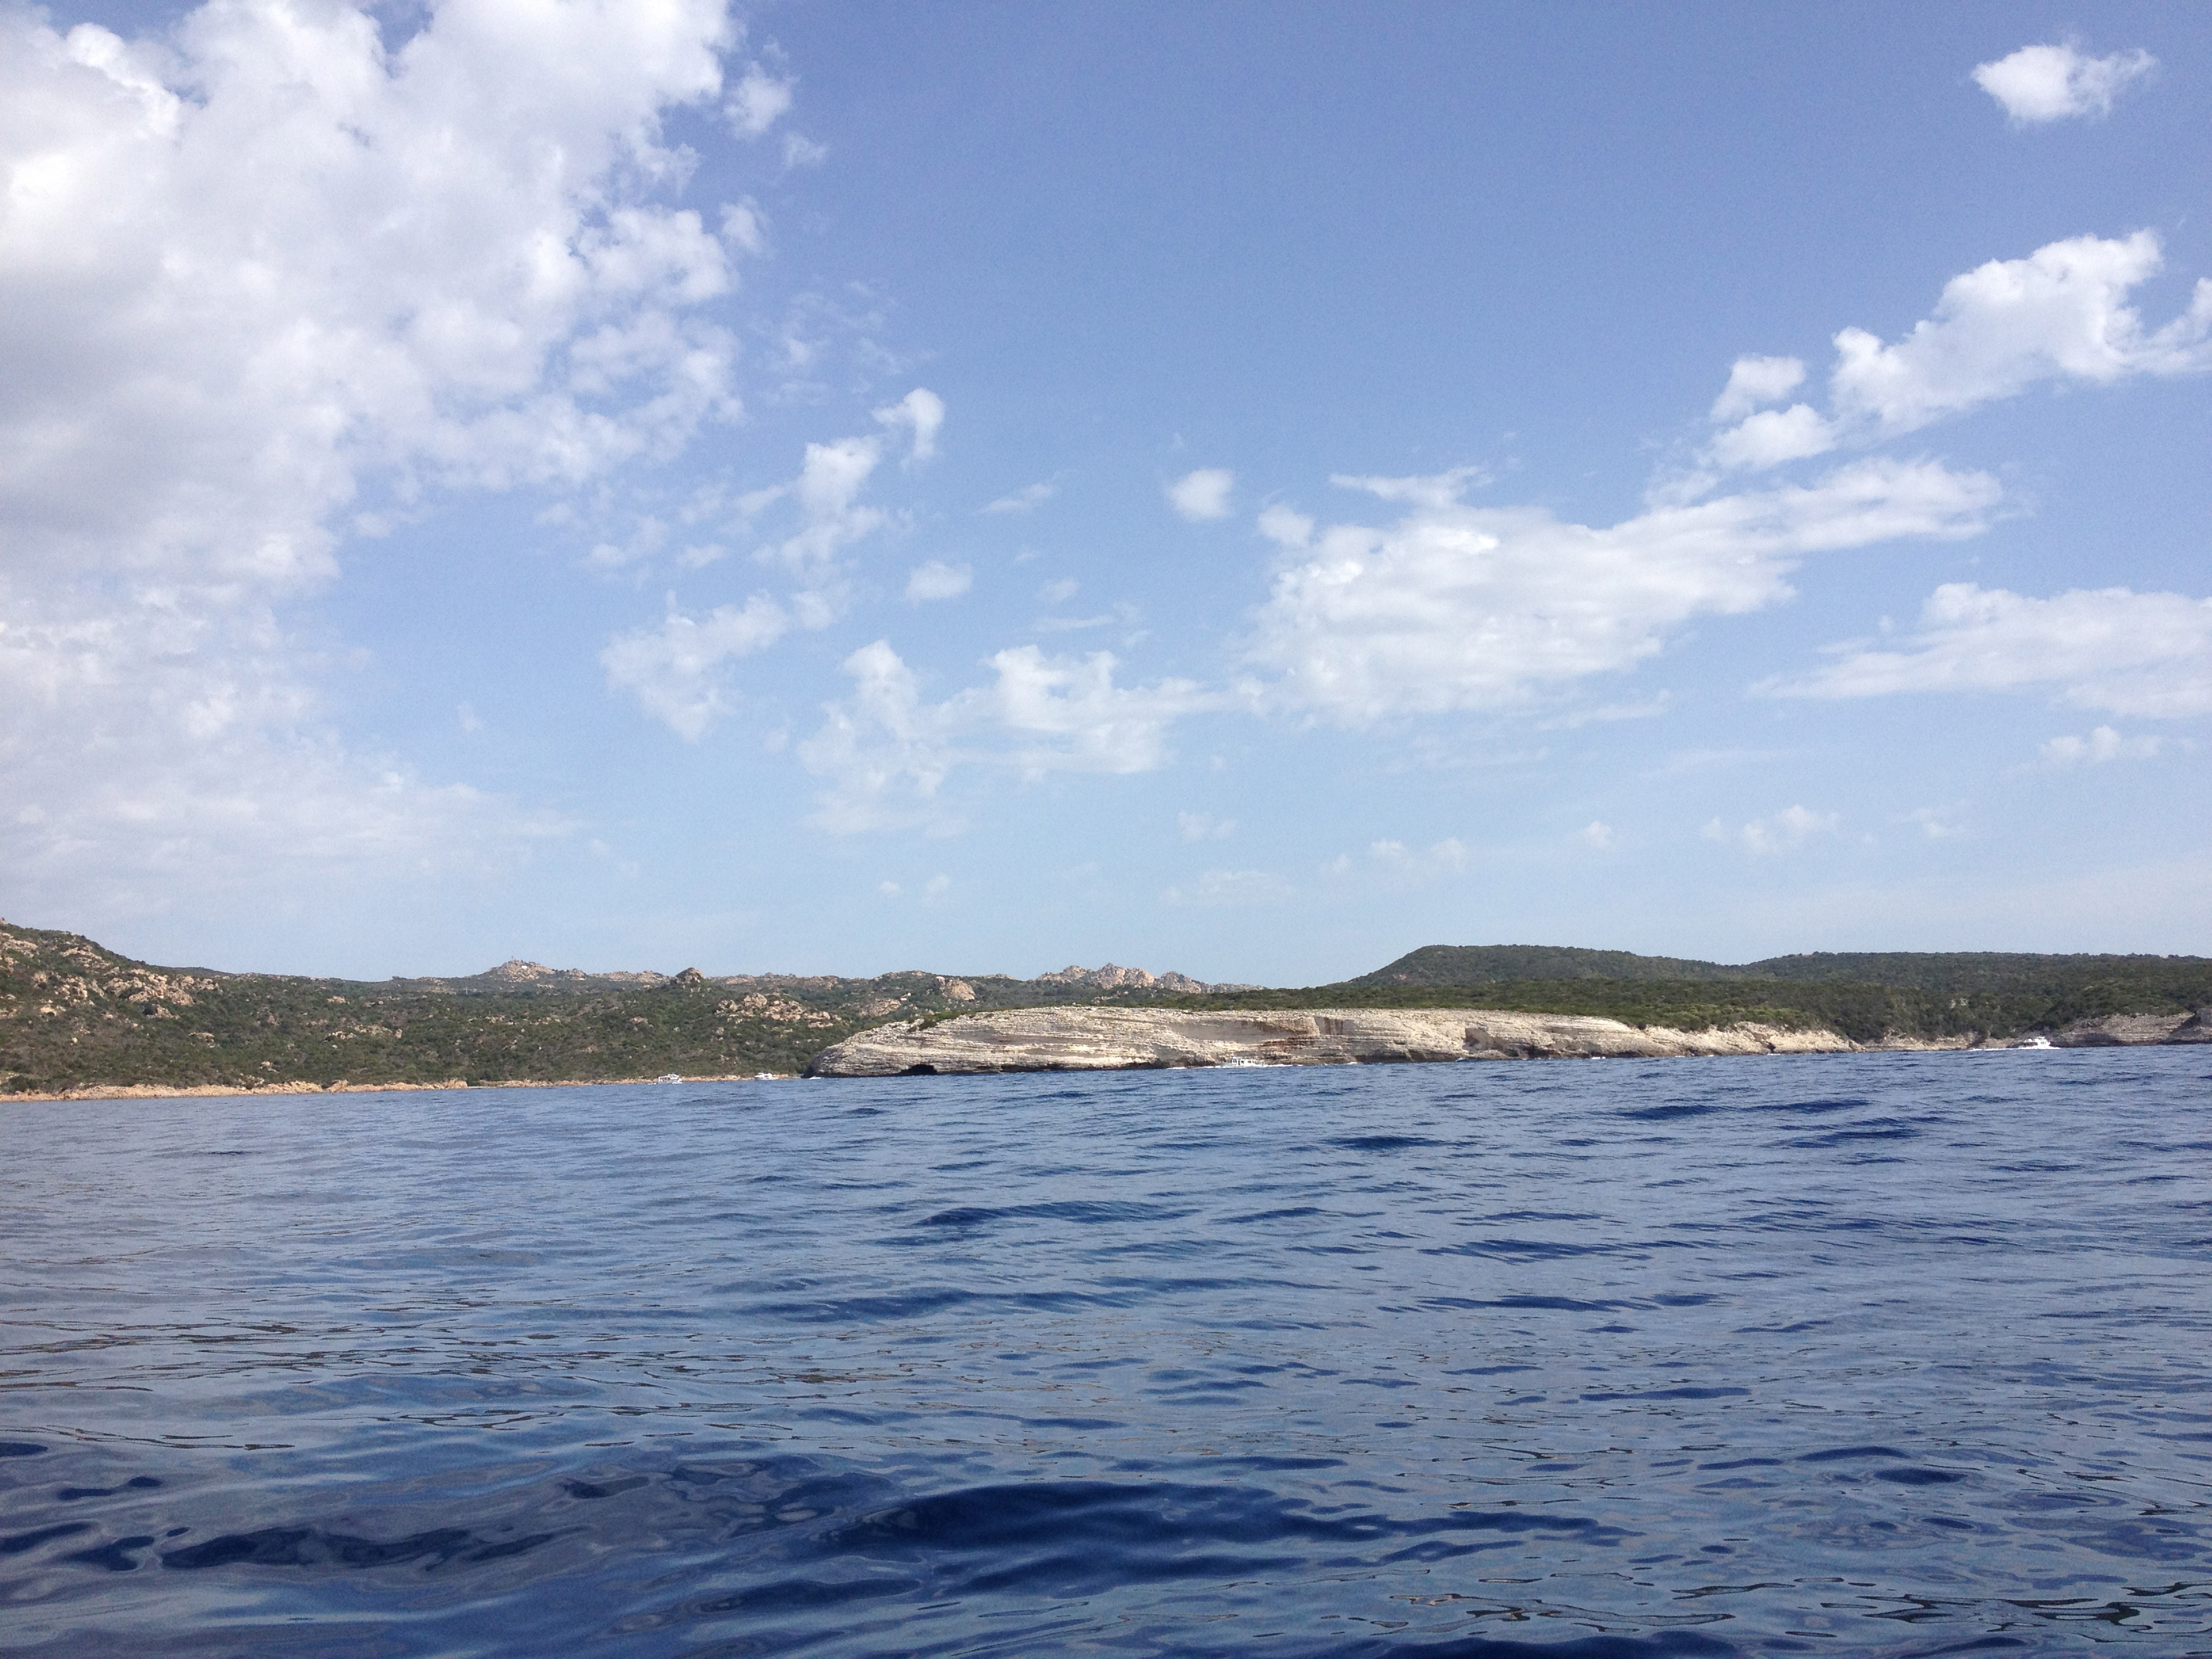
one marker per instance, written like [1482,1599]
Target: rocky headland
[1080,1039]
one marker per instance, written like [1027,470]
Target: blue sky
[1243,489]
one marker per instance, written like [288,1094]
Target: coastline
[1132,1039]
[229,1091]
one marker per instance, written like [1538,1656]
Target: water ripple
[1877,1354]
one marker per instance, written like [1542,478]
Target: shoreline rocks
[1117,1039]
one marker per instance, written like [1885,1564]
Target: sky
[1246,489]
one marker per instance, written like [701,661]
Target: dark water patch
[1873,1129]
[21,1448]
[137,1483]
[1687,1391]
[1843,1103]
[17,1543]
[313,1547]
[1080,1212]
[1381,1142]
[1534,1303]
[1672,1110]
[120,1556]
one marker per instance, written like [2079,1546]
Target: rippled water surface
[1883,1354]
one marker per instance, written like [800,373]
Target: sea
[1881,1354]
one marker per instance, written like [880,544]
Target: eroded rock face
[2130,1031]
[1114,1039]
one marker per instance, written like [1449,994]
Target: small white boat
[2037,1042]
[668,1077]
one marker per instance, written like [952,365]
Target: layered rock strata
[1083,1039]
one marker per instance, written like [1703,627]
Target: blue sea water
[1899,1354]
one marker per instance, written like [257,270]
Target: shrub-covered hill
[1865,997]
[1957,971]
[1864,1013]
[74,1014]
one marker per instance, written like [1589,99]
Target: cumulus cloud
[1204,826]
[1203,493]
[674,671]
[2110,649]
[253,270]
[1755,382]
[2098,747]
[1459,608]
[1597,833]
[921,412]
[1772,437]
[938,580]
[1782,832]
[757,102]
[2060,315]
[2044,83]
[886,750]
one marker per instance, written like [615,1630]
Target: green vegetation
[1995,971]
[1864,1013]
[73,1014]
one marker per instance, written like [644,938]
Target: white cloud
[1204,826]
[1056,593]
[2110,649]
[1772,437]
[757,102]
[1027,499]
[2100,745]
[674,671]
[1438,490]
[890,890]
[2043,83]
[245,274]
[938,580]
[1456,608]
[886,751]
[1782,832]
[1285,527]
[1597,833]
[921,412]
[1216,889]
[832,517]
[936,887]
[1446,857]
[1755,382]
[1203,493]
[1936,823]
[2060,314]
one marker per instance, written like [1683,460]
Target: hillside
[75,1014]
[1990,971]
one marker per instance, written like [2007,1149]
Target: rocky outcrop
[2133,1030]
[1083,1039]
[1112,977]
